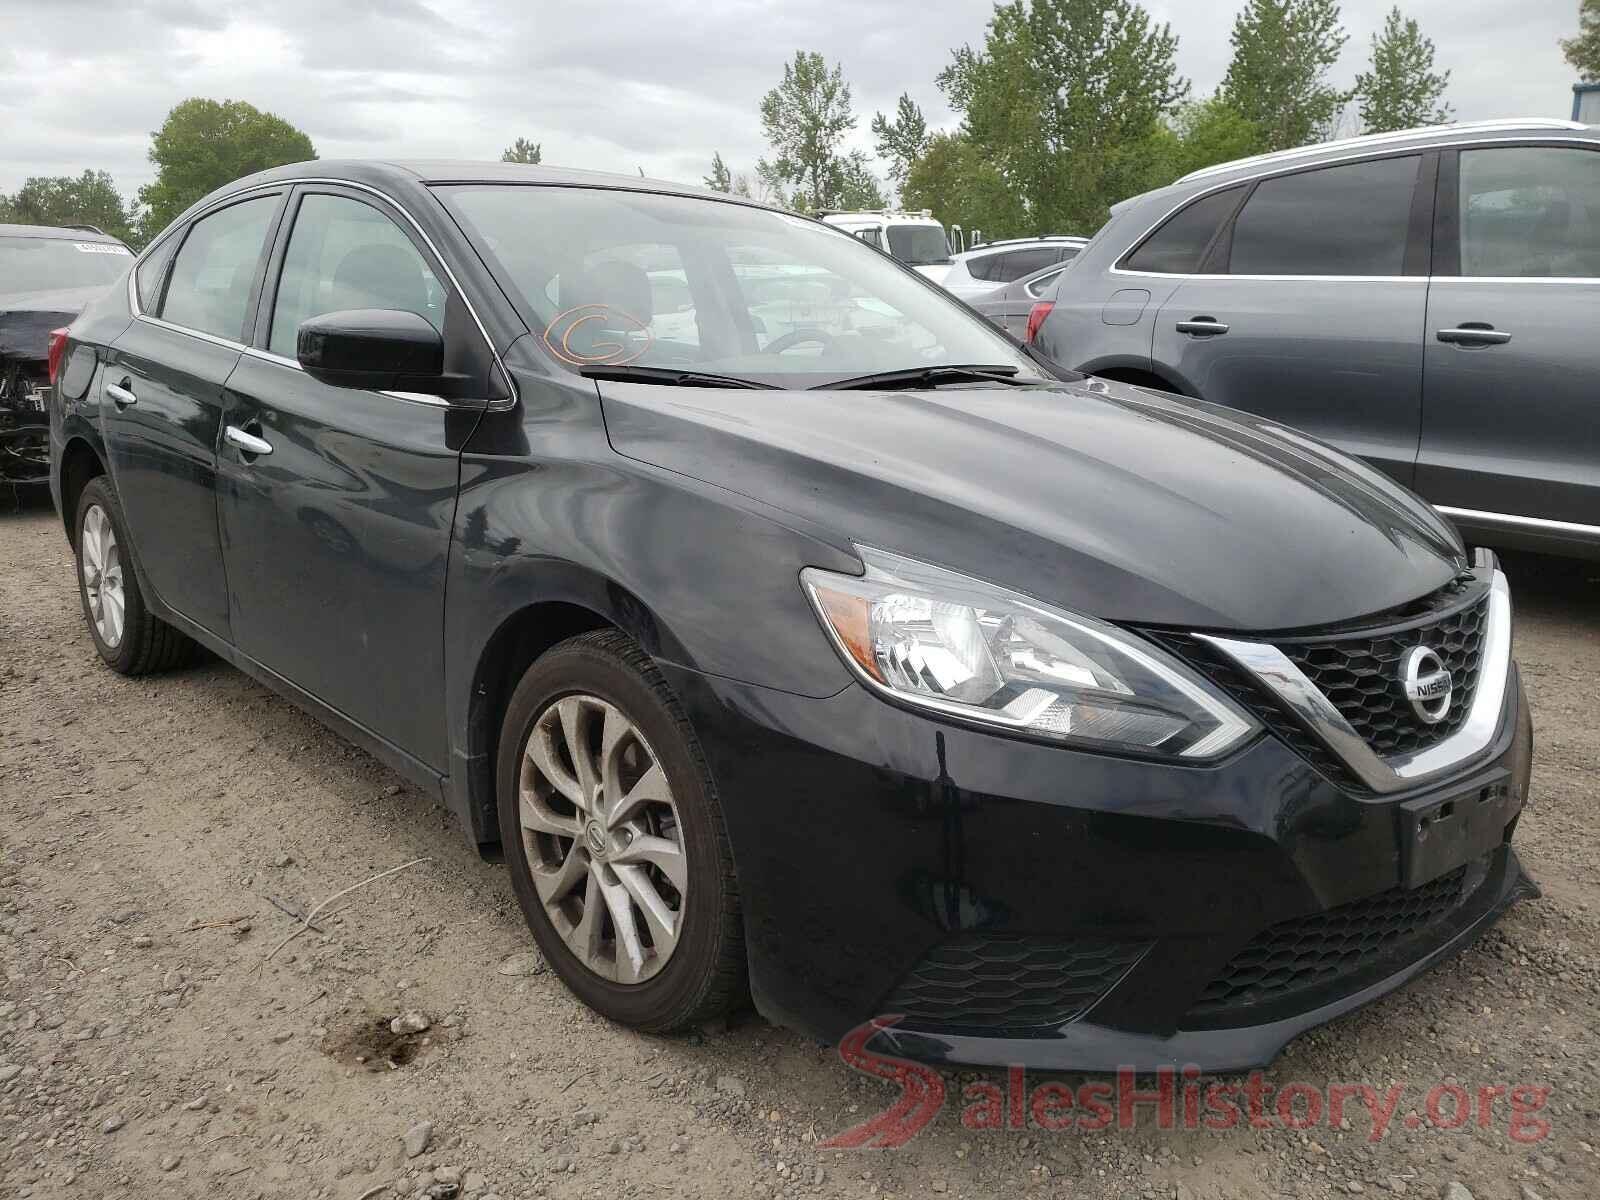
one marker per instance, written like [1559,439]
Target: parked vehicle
[914,238]
[47,275]
[1019,307]
[1422,299]
[870,671]
[980,270]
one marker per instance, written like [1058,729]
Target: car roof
[1426,137]
[1050,239]
[60,233]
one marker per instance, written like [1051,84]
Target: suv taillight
[58,345]
[1036,318]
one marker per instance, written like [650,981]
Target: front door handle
[1474,333]
[247,443]
[122,393]
[1203,327]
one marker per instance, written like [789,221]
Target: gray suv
[1428,300]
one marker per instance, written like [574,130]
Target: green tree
[88,199]
[204,144]
[524,151]
[805,118]
[1282,50]
[1583,51]
[1058,98]
[900,142]
[720,179]
[955,181]
[858,186]
[1200,134]
[1402,90]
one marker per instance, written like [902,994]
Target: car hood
[1103,498]
[26,318]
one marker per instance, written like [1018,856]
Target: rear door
[336,536]
[1511,413]
[1309,306]
[164,418]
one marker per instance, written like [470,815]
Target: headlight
[959,646]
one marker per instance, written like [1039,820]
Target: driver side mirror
[379,349]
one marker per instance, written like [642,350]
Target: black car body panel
[394,559]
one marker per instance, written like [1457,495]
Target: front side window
[37,264]
[1530,212]
[618,278]
[1346,220]
[1177,247]
[919,245]
[209,290]
[345,254]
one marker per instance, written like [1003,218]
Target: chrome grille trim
[1274,671]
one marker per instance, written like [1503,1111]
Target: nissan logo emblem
[1427,684]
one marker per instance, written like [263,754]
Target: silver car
[1427,300]
[1011,306]
[991,264]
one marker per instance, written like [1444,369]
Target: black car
[47,275]
[839,651]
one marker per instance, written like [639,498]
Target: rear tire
[645,852]
[129,637]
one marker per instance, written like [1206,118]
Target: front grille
[1358,670]
[1003,981]
[1360,674]
[1315,952]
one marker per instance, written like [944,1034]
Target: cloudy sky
[613,86]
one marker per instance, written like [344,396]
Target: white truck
[915,238]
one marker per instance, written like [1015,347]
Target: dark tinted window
[1530,212]
[1349,220]
[1176,247]
[211,277]
[1018,263]
[152,271]
[984,266]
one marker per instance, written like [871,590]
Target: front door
[164,407]
[337,503]
[1310,310]
[1511,415]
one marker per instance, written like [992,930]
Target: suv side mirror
[380,349]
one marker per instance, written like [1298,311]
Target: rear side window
[1015,265]
[211,277]
[346,254]
[1530,212]
[152,271]
[1347,220]
[1176,248]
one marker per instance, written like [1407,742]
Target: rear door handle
[1203,327]
[1474,333]
[247,443]
[122,393]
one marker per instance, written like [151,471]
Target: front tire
[615,838]
[129,637]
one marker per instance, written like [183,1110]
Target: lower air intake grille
[1315,951]
[999,981]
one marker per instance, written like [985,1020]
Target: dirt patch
[367,1041]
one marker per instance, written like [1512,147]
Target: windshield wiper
[927,377]
[672,377]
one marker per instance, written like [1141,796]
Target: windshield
[617,278]
[919,245]
[36,264]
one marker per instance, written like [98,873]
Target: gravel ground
[152,1044]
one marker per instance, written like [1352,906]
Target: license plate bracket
[1440,832]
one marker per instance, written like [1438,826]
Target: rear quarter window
[1177,246]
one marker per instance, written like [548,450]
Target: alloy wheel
[102,575]
[602,837]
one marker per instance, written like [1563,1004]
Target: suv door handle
[247,443]
[122,393]
[1474,333]
[1203,327]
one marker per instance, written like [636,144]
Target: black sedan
[810,641]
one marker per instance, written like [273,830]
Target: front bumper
[1059,909]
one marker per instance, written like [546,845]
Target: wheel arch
[80,462]
[1141,376]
